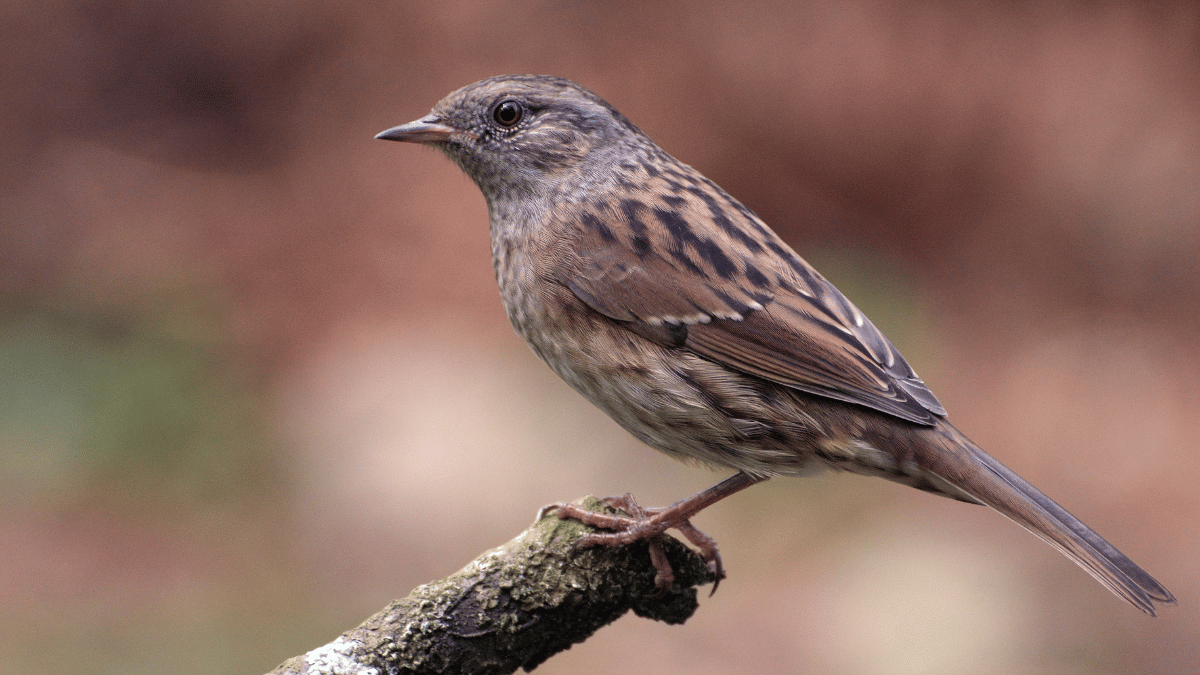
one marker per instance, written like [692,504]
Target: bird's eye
[508,113]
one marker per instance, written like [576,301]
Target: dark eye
[508,113]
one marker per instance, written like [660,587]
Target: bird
[678,312]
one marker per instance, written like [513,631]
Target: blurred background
[256,380]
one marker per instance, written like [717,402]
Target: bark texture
[512,607]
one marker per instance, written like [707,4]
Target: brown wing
[748,302]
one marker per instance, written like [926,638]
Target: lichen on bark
[513,607]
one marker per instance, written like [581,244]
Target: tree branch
[512,607]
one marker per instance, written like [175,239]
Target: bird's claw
[641,523]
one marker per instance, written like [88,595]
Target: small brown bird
[679,313]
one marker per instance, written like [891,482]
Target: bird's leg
[649,524]
[708,551]
[665,576]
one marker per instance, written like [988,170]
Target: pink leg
[658,556]
[649,524]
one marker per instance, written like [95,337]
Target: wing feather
[700,265]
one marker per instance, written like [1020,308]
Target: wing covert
[731,291]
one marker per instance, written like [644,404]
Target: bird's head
[520,134]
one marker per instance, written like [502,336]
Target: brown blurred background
[255,378]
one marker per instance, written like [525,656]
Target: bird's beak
[424,130]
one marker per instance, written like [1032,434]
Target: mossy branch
[512,607]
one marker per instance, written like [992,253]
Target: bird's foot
[643,523]
[649,524]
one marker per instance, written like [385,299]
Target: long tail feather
[980,475]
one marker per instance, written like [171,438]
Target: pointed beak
[424,130]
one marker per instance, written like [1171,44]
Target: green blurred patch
[117,403]
[141,478]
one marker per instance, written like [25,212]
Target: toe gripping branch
[650,524]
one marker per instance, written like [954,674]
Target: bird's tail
[968,468]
